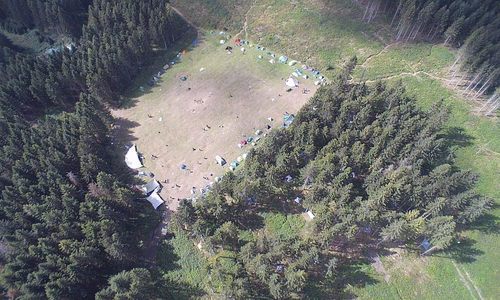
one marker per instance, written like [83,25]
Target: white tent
[155,199]
[152,185]
[132,158]
[219,160]
[291,81]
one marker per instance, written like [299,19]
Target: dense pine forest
[69,217]
[370,166]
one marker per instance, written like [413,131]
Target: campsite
[226,97]
[261,149]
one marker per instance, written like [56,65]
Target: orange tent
[184,51]
[237,40]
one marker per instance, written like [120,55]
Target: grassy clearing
[320,34]
[208,114]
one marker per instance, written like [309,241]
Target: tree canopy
[370,166]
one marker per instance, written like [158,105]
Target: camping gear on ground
[183,78]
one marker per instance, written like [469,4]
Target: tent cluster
[297,72]
[156,78]
[153,187]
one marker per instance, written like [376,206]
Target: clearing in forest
[225,98]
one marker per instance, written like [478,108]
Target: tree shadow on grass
[123,132]
[251,221]
[349,274]
[456,136]
[463,251]
[488,223]
[166,261]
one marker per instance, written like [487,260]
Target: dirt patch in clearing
[226,98]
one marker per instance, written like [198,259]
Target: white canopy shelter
[155,199]
[132,158]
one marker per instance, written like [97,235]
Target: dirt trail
[379,53]
[152,247]
[467,281]
[377,264]
[187,21]
[246,19]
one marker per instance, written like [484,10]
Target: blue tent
[183,78]
[234,163]
[195,42]
[183,166]
[150,83]
[426,244]
[283,59]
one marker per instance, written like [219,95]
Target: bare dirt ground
[189,122]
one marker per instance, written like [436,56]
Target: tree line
[373,169]
[117,41]
[472,27]
[71,227]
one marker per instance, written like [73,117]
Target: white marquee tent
[154,199]
[132,158]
